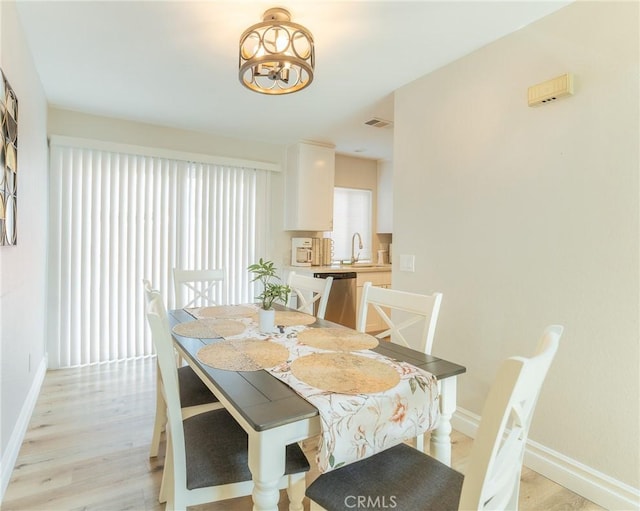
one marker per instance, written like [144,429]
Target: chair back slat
[401,310]
[308,291]
[198,288]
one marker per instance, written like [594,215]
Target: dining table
[274,415]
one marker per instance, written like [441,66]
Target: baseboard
[10,456]
[465,422]
[577,477]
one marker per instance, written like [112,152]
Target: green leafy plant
[272,287]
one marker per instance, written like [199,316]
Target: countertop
[342,268]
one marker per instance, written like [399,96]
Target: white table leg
[266,462]
[441,436]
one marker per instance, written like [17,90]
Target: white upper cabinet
[309,182]
[385,197]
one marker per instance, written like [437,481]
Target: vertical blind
[116,219]
[351,214]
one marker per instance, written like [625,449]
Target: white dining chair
[207,454]
[414,311]
[308,291]
[197,288]
[406,478]
[195,396]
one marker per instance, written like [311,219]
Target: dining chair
[207,454]
[406,478]
[417,309]
[308,291]
[196,288]
[195,396]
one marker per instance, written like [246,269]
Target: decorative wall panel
[8,163]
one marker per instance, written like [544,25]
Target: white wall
[83,125]
[525,217]
[23,267]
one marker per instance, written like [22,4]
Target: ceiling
[175,63]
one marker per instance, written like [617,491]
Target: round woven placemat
[337,339]
[209,328]
[345,373]
[243,354]
[226,311]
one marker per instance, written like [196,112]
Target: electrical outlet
[407,262]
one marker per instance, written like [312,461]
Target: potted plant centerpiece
[272,290]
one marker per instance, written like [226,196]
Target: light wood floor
[88,440]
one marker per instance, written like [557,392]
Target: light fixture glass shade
[276,56]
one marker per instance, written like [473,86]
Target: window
[118,218]
[351,214]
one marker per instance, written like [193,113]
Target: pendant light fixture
[276,56]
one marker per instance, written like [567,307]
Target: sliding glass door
[117,218]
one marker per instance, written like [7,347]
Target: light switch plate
[407,262]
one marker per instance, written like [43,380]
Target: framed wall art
[8,163]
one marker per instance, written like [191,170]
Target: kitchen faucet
[354,258]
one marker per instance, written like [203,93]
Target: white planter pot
[267,321]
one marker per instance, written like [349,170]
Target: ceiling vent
[378,123]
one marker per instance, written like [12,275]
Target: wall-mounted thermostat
[549,91]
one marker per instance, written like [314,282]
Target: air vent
[378,123]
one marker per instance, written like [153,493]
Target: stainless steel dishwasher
[341,307]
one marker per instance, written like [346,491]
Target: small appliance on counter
[322,251]
[301,251]
[327,251]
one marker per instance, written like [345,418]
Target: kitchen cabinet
[384,223]
[380,279]
[309,181]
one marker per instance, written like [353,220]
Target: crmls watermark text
[369,502]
